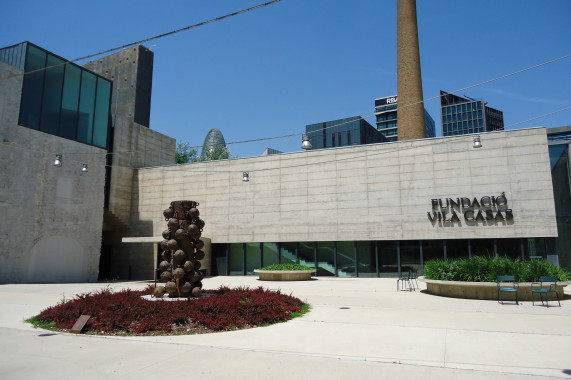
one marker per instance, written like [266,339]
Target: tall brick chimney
[411,124]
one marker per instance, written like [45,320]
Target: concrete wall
[372,192]
[50,229]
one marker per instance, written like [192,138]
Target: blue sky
[271,71]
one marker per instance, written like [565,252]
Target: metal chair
[507,284]
[549,281]
[407,280]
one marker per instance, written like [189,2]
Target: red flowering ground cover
[125,312]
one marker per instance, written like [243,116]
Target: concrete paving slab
[357,327]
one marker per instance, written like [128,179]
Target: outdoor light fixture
[477,142]
[306,143]
[84,168]
[246,177]
[57,161]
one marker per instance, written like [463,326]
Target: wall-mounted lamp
[84,168]
[306,142]
[477,142]
[58,160]
[246,177]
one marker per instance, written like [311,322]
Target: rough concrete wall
[372,192]
[50,230]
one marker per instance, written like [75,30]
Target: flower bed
[125,312]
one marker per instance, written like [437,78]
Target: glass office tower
[386,113]
[462,116]
[343,132]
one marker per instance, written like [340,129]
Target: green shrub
[290,266]
[486,269]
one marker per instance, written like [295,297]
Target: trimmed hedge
[486,269]
[287,267]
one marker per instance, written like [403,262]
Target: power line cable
[152,38]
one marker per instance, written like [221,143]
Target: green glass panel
[101,122]
[86,107]
[482,247]
[366,258]
[270,254]
[325,258]
[236,253]
[431,250]
[388,259]
[409,255]
[457,248]
[534,248]
[287,252]
[252,257]
[509,248]
[345,259]
[32,88]
[306,254]
[70,102]
[53,86]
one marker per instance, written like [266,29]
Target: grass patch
[126,313]
[486,269]
[290,266]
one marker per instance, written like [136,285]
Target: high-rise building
[386,113]
[342,132]
[461,116]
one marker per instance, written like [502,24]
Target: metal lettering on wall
[487,209]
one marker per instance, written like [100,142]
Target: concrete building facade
[384,196]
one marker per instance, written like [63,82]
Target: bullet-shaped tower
[411,123]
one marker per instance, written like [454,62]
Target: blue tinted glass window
[86,107]
[53,84]
[32,89]
[70,101]
[101,121]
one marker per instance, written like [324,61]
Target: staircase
[323,265]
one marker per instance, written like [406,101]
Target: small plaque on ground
[79,324]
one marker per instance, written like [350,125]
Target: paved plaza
[358,328]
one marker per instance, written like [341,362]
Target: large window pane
[287,253]
[388,259]
[366,258]
[101,121]
[325,258]
[482,247]
[306,254]
[252,257]
[345,259]
[534,248]
[86,107]
[457,248]
[509,248]
[53,85]
[70,102]
[410,255]
[270,254]
[431,250]
[32,88]
[236,253]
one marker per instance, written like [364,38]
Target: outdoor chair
[538,288]
[406,280]
[507,284]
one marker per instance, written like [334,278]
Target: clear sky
[271,71]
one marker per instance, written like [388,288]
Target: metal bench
[538,288]
[507,284]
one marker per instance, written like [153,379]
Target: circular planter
[284,275]
[479,290]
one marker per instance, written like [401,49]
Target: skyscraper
[461,116]
[387,118]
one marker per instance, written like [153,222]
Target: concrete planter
[480,290]
[284,275]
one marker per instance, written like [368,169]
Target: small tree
[218,152]
[184,153]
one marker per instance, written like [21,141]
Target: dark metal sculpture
[181,250]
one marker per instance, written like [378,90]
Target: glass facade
[371,258]
[61,98]
[461,116]
[343,132]
[387,123]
